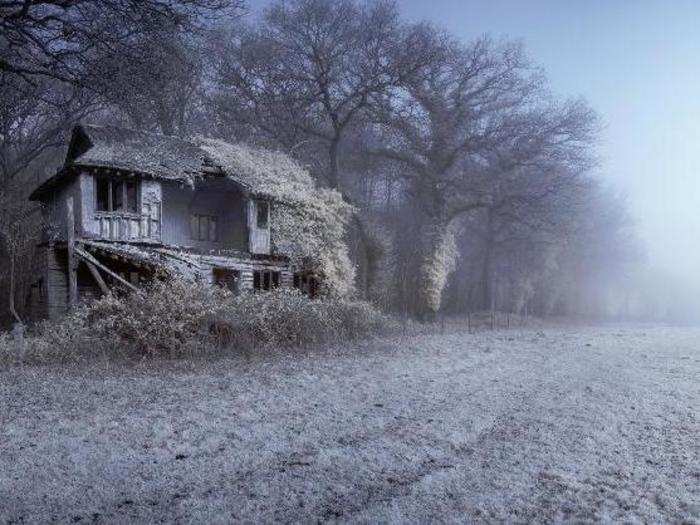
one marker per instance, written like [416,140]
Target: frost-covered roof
[149,153]
[258,171]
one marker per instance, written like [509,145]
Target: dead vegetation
[178,318]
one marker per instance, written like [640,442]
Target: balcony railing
[123,226]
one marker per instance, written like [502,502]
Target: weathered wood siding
[246,267]
[56,283]
[226,204]
[55,209]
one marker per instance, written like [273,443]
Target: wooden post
[72,262]
[469,322]
[526,311]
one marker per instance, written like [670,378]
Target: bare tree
[161,88]
[464,121]
[312,68]
[60,38]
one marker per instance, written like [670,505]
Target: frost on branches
[308,224]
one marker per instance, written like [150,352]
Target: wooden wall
[227,204]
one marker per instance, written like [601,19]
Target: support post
[72,261]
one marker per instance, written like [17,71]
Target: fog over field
[637,63]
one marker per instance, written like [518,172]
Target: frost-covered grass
[553,425]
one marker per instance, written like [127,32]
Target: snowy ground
[560,425]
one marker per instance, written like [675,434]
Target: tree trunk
[487,266]
[13,309]
[333,162]
[486,277]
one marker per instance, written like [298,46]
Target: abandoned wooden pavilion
[127,206]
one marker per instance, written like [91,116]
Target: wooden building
[127,206]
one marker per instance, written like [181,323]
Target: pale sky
[638,64]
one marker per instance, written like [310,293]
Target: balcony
[128,226]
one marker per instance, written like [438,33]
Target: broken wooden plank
[90,258]
[98,278]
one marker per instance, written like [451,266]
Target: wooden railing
[122,226]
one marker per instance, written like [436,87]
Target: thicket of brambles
[178,318]
[469,178]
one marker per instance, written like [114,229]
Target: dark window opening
[103,195]
[265,280]
[306,283]
[131,196]
[203,227]
[116,195]
[263,214]
[227,278]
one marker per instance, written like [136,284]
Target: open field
[553,425]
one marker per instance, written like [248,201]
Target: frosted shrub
[67,339]
[288,318]
[174,317]
[57,341]
[169,317]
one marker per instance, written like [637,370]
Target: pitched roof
[157,155]
[257,171]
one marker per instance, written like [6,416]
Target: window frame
[122,183]
[209,220]
[260,205]
[266,280]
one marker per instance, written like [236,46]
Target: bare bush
[288,318]
[178,318]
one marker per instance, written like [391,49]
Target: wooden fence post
[72,262]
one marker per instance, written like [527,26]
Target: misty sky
[638,63]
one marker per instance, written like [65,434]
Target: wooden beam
[98,278]
[91,259]
[72,263]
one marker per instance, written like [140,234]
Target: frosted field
[559,425]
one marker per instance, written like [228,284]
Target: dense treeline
[470,178]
